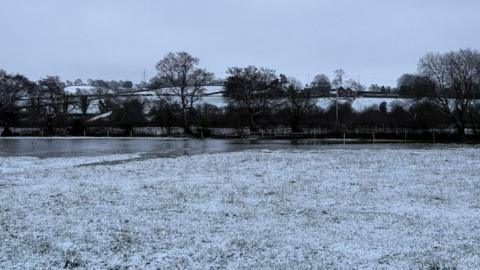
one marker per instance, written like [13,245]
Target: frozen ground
[329,209]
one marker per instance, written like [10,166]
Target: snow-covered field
[328,209]
[361,104]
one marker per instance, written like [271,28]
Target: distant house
[346,92]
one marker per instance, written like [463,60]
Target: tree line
[443,95]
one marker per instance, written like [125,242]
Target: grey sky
[377,40]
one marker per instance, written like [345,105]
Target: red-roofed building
[346,92]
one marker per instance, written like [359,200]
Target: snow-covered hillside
[361,104]
[358,104]
[79,89]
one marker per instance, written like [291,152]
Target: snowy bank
[388,209]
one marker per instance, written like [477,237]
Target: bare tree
[12,89]
[338,80]
[78,82]
[251,90]
[84,104]
[179,72]
[456,76]
[416,86]
[297,100]
[51,96]
[337,83]
[129,113]
[83,100]
[166,111]
[107,102]
[355,85]
[321,85]
[52,92]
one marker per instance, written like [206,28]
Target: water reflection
[71,147]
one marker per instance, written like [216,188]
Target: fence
[362,134]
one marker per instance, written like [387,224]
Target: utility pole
[339,73]
[144,75]
[336,110]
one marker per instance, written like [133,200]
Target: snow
[216,100]
[361,104]
[80,89]
[101,116]
[334,209]
[358,104]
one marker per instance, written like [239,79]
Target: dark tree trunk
[295,123]
[186,125]
[460,126]
[253,124]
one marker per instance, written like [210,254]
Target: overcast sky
[375,40]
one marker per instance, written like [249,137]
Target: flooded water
[151,147]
